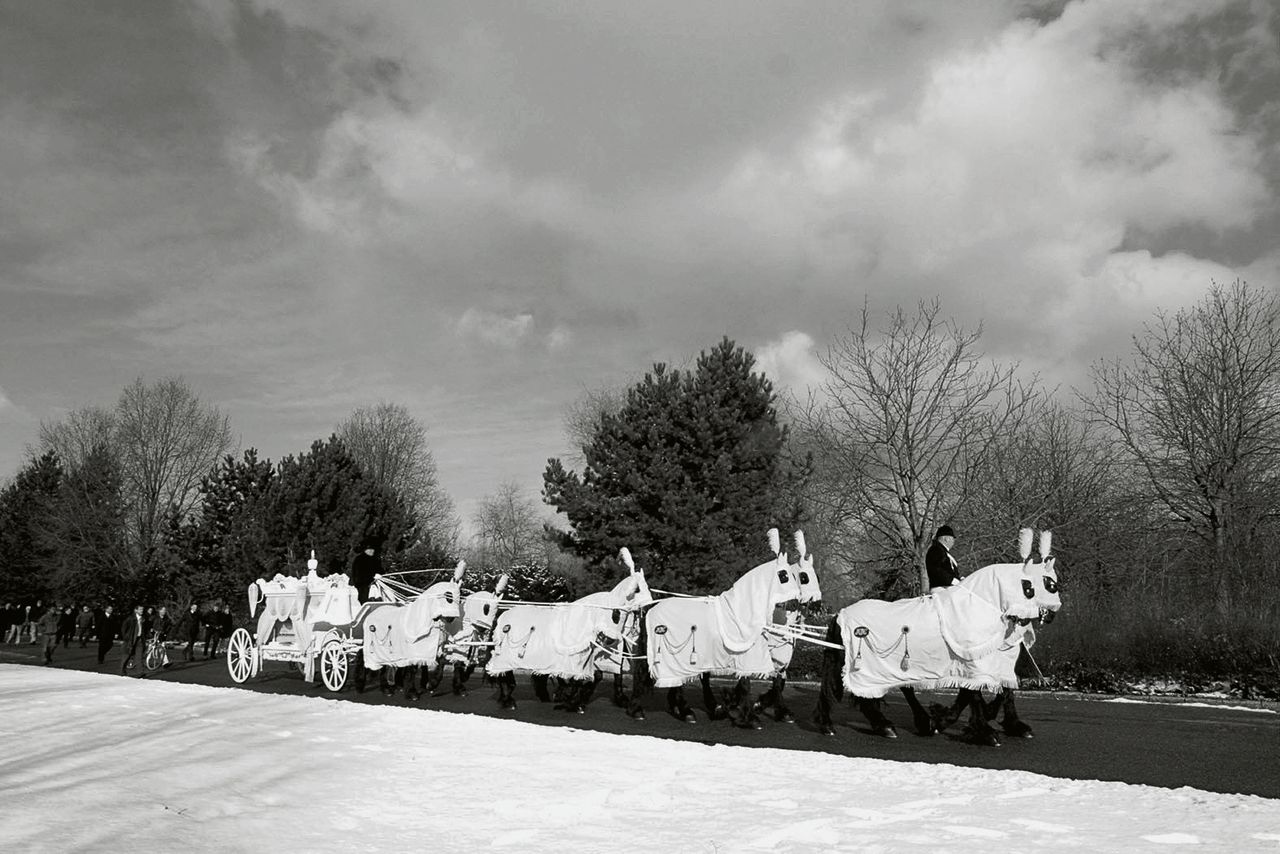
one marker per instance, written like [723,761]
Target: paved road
[1160,744]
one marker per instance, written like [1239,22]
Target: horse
[406,633]
[563,639]
[945,639]
[466,648]
[780,643]
[722,638]
[1003,662]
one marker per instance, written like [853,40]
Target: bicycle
[157,656]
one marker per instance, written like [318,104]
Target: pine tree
[85,535]
[688,474]
[25,558]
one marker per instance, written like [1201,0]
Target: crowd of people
[59,624]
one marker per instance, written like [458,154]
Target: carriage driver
[938,561]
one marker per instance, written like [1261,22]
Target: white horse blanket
[415,632]
[955,637]
[564,639]
[722,635]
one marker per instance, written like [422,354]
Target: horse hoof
[638,716]
[827,729]
[887,732]
[689,718]
[786,718]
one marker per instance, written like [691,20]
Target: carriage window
[783,576]
[804,577]
[1051,584]
[1028,589]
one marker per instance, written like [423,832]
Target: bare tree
[1197,410]
[391,446]
[82,432]
[167,439]
[902,426]
[582,421]
[508,529]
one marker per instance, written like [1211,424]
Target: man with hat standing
[938,561]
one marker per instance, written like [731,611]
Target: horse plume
[1046,541]
[775,544]
[457,572]
[624,555]
[1024,544]
[801,551]
[501,586]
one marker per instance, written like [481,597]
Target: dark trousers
[190,652]
[128,656]
[104,647]
[211,640]
[84,636]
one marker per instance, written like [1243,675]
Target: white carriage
[306,622]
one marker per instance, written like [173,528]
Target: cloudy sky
[481,210]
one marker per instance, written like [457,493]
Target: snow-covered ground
[90,762]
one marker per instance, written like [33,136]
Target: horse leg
[435,678]
[588,689]
[678,706]
[773,699]
[747,715]
[361,673]
[459,679]
[944,716]
[832,691]
[540,687]
[920,715]
[387,680]
[978,730]
[873,711]
[1011,723]
[412,680]
[507,689]
[716,710]
[620,696]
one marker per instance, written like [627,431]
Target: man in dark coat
[938,561]
[108,626]
[191,630]
[133,637]
[364,567]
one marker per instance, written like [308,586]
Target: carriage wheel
[241,656]
[333,665]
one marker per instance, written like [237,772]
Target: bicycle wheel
[155,656]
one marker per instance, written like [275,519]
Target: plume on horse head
[803,570]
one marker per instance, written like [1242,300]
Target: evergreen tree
[688,474]
[322,500]
[85,535]
[25,558]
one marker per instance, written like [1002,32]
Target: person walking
[133,637]
[66,626]
[938,562]
[47,629]
[190,629]
[84,625]
[107,626]
[219,628]
[33,618]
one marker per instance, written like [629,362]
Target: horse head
[804,572]
[771,582]
[1047,588]
[442,599]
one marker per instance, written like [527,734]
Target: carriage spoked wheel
[241,656]
[333,665]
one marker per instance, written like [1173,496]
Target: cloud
[495,329]
[791,363]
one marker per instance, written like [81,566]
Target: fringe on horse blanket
[690,640]
[890,645]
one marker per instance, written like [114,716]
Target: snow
[1194,705]
[91,762]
